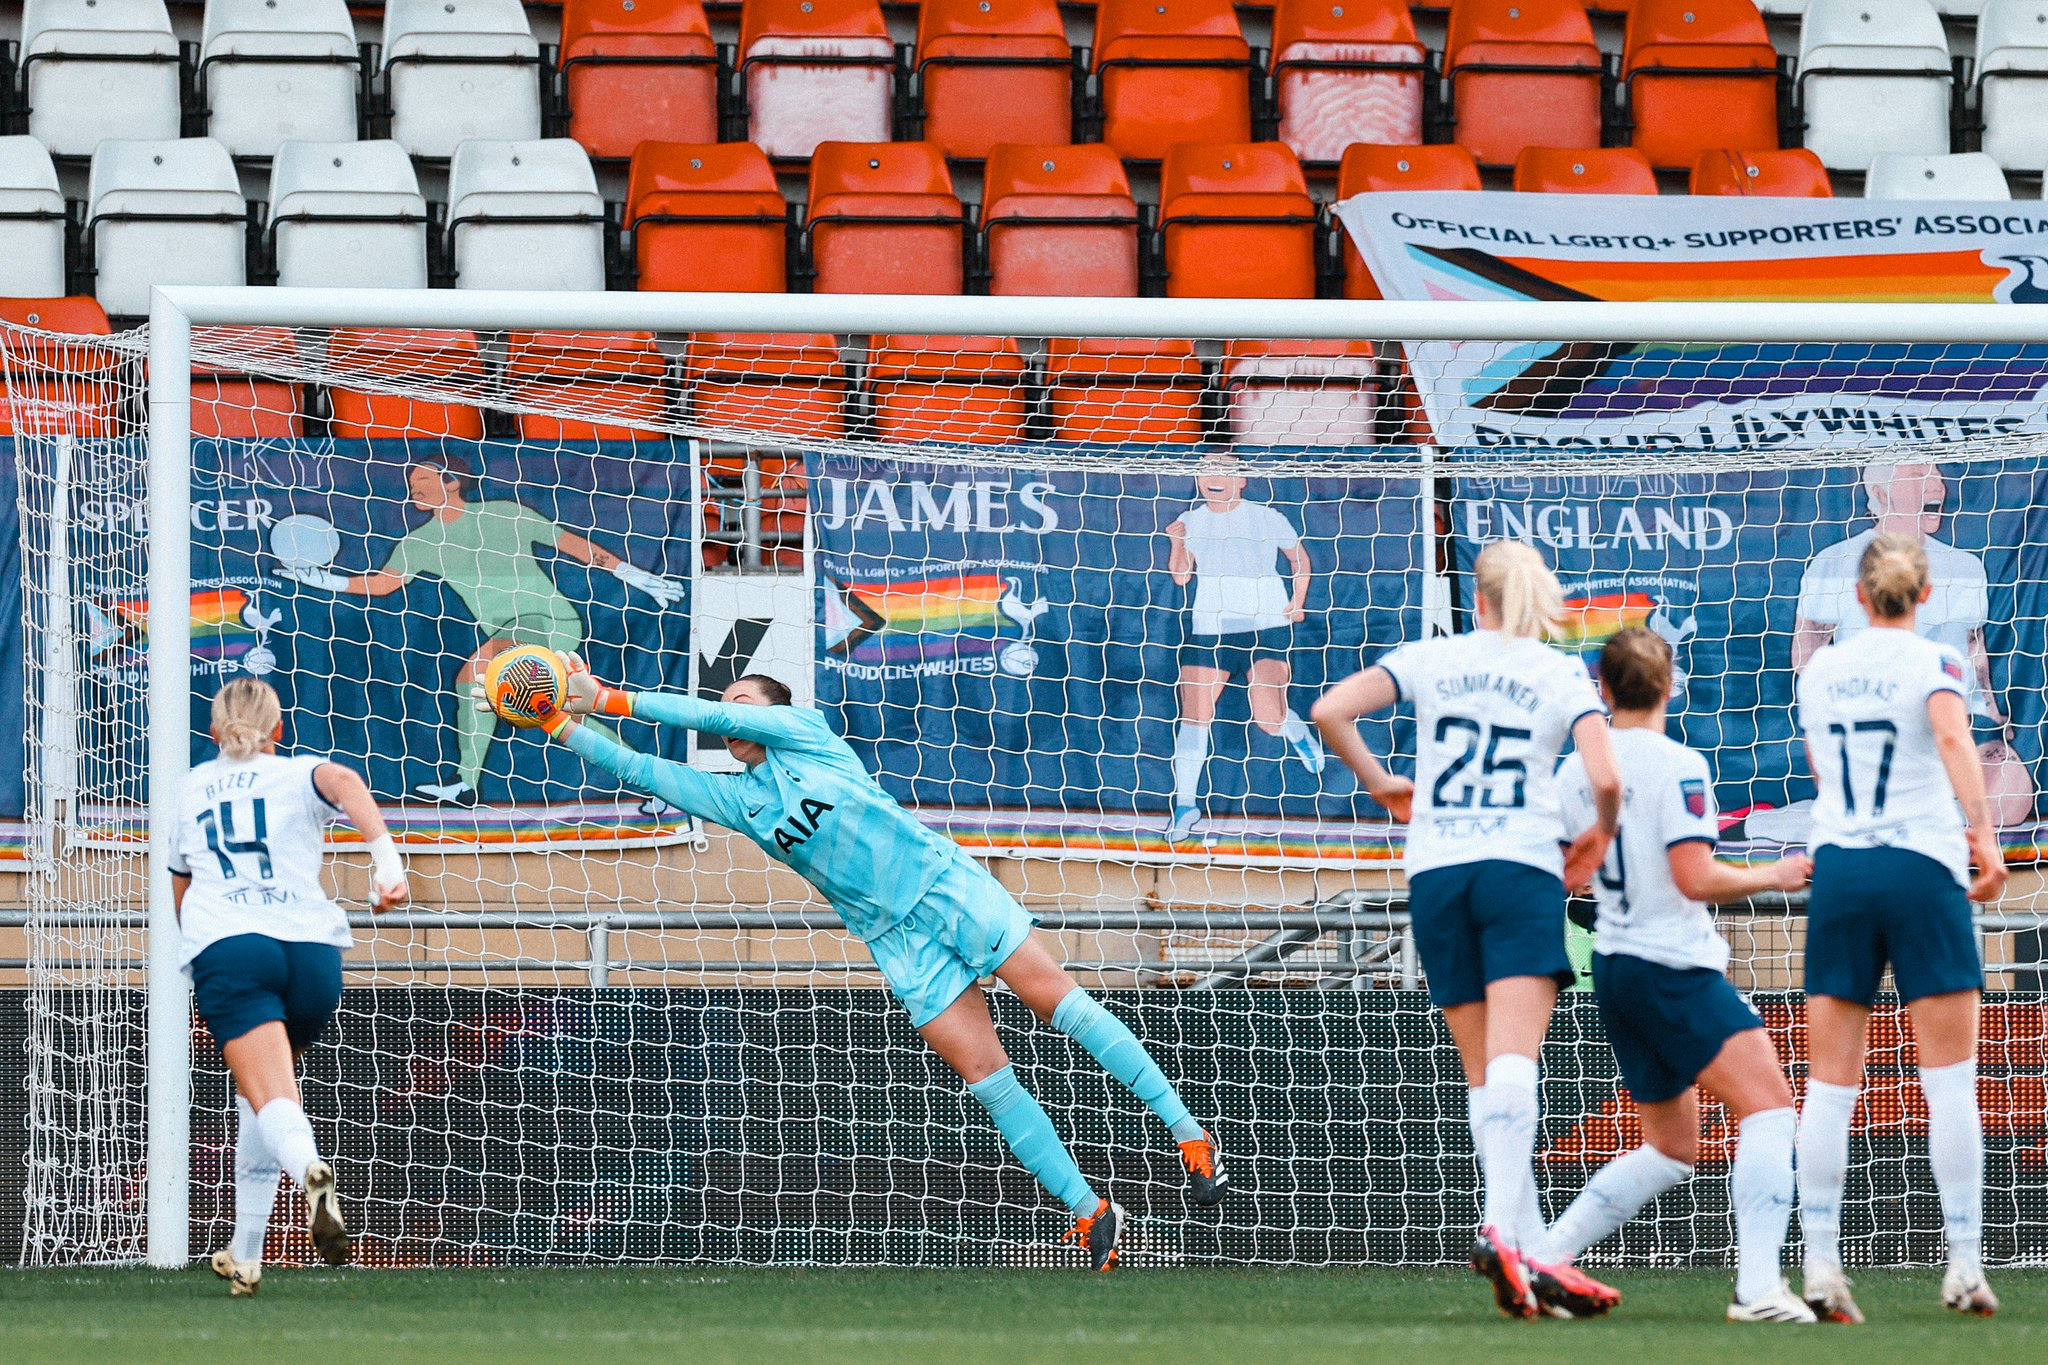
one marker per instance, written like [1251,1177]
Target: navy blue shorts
[1236,652]
[1666,1024]
[1481,922]
[1872,906]
[241,982]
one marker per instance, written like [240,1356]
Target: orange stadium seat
[707,216]
[1368,170]
[776,382]
[883,219]
[815,71]
[1788,173]
[51,386]
[444,359]
[1236,222]
[949,390]
[1347,71]
[993,71]
[231,405]
[1059,220]
[1522,73]
[637,71]
[1322,394]
[1680,103]
[617,376]
[1124,389]
[1171,71]
[1592,170]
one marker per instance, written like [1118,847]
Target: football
[526,683]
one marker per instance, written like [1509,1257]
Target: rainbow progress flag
[915,619]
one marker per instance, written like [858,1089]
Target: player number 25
[1493,766]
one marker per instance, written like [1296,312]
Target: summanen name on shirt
[1508,689]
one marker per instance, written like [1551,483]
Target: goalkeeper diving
[935,921]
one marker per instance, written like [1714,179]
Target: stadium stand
[49,387]
[1593,170]
[730,378]
[525,215]
[1792,173]
[1116,389]
[347,213]
[967,390]
[993,71]
[230,405]
[1236,221]
[449,359]
[456,69]
[1956,175]
[621,375]
[1679,102]
[884,219]
[1345,72]
[2011,93]
[707,217]
[815,71]
[32,221]
[270,72]
[1523,73]
[1874,76]
[635,71]
[1171,71]
[93,69]
[163,213]
[1367,169]
[1300,393]
[1059,220]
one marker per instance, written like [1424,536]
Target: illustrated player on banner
[483,549]
[1242,622]
[1486,877]
[263,946]
[934,919]
[1670,1013]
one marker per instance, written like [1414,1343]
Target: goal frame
[176,310]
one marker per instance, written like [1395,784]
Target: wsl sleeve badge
[1695,793]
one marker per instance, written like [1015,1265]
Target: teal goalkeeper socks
[1081,1017]
[1031,1138]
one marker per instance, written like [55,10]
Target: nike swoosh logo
[756,811]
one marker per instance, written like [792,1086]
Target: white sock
[1760,1187]
[1529,1234]
[289,1137]
[256,1173]
[1615,1194]
[1955,1147]
[1190,753]
[1823,1167]
[1508,1141]
[1293,728]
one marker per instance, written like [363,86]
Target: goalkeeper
[935,921]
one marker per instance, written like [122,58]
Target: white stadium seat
[1874,76]
[31,221]
[458,69]
[2012,82]
[348,214]
[270,70]
[549,188]
[1295,393]
[93,69]
[163,213]
[1957,175]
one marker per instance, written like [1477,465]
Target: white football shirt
[1667,800]
[1492,713]
[1238,584]
[1863,710]
[1957,609]
[249,836]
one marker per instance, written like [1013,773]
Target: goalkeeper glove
[587,694]
[324,579]
[666,592]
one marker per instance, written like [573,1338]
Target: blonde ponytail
[1892,574]
[1523,592]
[245,717]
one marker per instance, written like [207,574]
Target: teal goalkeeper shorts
[961,930]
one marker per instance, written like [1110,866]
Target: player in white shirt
[263,943]
[1899,818]
[1486,877]
[1242,621]
[1672,1017]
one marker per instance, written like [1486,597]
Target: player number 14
[219,827]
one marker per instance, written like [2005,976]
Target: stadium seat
[1957,175]
[1319,394]
[1679,102]
[1789,173]
[163,213]
[1236,222]
[815,71]
[883,219]
[1592,170]
[1344,72]
[1874,76]
[1368,170]
[458,69]
[1124,389]
[947,390]
[93,69]
[991,71]
[707,216]
[525,215]
[51,386]
[616,375]
[347,214]
[787,383]
[1058,220]
[229,404]
[445,360]
[32,221]
[1522,73]
[1171,71]
[2012,82]
[269,72]
[636,71]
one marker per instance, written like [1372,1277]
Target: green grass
[698,1316]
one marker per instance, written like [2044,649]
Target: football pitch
[905,1317]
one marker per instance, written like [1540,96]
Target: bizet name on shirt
[234,781]
[1515,693]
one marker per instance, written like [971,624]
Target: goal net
[1068,575]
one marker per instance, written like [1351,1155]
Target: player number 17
[1884,762]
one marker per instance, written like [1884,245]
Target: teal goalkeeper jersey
[810,804]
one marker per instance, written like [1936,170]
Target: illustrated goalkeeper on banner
[935,921]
